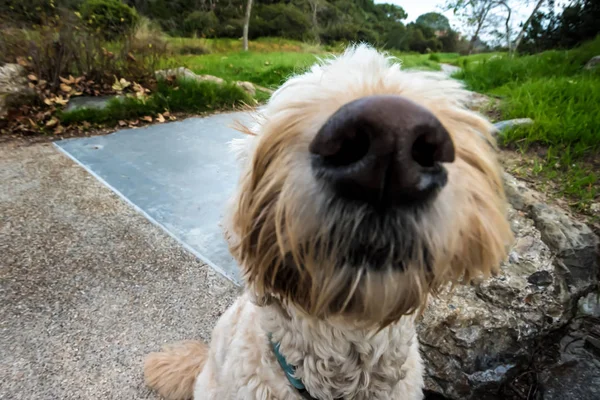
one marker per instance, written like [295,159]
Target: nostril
[353,148]
[424,152]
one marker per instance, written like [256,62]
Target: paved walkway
[180,175]
[87,284]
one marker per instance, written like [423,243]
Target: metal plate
[180,175]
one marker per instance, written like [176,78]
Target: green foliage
[434,57]
[578,22]
[183,96]
[61,47]
[201,23]
[434,21]
[279,19]
[552,88]
[110,18]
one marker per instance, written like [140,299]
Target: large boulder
[14,88]
[477,337]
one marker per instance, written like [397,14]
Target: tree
[392,11]
[247,23]
[507,30]
[475,13]
[435,21]
[314,8]
[526,24]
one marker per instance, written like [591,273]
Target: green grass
[265,69]
[272,69]
[185,96]
[416,61]
[225,45]
[562,98]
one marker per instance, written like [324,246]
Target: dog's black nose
[383,149]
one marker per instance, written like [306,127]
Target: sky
[414,8]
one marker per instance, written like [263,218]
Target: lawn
[562,98]
[269,62]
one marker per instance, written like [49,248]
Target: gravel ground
[88,285]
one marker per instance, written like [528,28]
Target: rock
[248,87]
[449,69]
[184,73]
[476,338]
[593,63]
[576,375]
[478,101]
[511,123]
[14,88]
[94,102]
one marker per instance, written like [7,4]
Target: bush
[61,47]
[201,23]
[283,20]
[434,57]
[110,18]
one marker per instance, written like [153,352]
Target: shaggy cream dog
[364,189]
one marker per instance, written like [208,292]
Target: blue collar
[289,371]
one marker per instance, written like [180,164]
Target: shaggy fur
[344,319]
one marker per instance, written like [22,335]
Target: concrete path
[87,284]
[449,69]
[180,175]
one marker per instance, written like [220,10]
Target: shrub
[434,57]
[201,23]
[282,20]
[61,47]
[110,18]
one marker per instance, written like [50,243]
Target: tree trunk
[315,5]
[526,24]
[507,27]
[475,36]
[480,21]
[247,23]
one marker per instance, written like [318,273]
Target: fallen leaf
[58,130]
[166,114]
[32,77]
[48,102]
[122,123]
[147,118]
[172,118]
[32,123]
[120,85]
[22,62]
[60,100]
[31,85]
[65,88]
[52,122]
[160,118]
[131,57]
[86,125]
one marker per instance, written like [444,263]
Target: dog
[364,190]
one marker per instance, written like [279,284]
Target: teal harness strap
[289,371]
[287,368]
